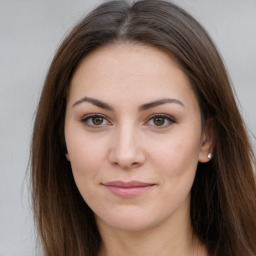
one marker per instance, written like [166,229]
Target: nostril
[126,165]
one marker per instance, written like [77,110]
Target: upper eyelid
[86,117]
[150,116]
[94,115]
[161,115]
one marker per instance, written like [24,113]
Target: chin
[130,221]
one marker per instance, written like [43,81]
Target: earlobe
[207,143]
[67,157]
[205,154]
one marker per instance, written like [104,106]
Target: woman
[138,145]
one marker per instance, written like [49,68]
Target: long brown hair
[223,196]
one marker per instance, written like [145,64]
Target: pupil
[97,120]
[159,121]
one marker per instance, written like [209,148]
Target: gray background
[30,31]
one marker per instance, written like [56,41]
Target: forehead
[132,70]
[135,59]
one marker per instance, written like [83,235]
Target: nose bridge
[126,150]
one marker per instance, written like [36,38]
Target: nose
[126,149]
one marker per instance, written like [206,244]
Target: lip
[128,189]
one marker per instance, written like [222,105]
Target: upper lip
[129,184]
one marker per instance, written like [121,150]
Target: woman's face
[134,136]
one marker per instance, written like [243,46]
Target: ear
[67,156]
[207,142]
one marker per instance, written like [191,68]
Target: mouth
[128,189]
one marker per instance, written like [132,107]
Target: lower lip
[128,191]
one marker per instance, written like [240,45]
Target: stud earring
[210,156]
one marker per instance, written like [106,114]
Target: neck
[173,237]
[148,244]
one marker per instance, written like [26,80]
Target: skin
[128,142]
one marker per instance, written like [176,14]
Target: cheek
[86,157]
[177,158]
[85,162]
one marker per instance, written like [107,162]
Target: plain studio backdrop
[30,32]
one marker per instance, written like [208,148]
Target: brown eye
[98,120]
[159,121]
[95,121]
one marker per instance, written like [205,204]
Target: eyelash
[87,120]
[168,120]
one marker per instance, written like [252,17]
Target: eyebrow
[158,103]
[143,107]
[95,102]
